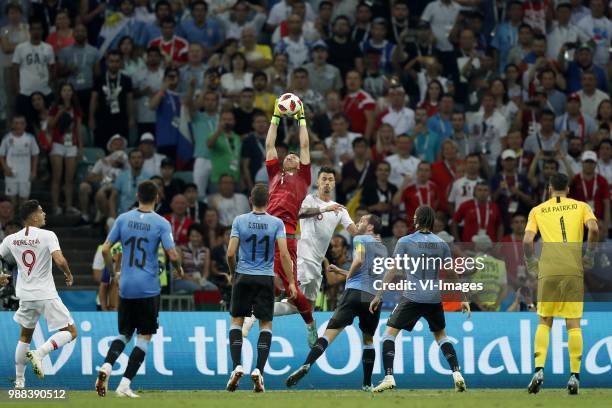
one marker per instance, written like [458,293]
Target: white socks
[125,382]
[20,358]
[56,341]
[284,308]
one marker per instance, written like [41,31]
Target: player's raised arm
[287,266]
[271,153]
[304,138]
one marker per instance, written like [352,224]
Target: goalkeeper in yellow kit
[560,221]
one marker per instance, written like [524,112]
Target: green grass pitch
[476,398]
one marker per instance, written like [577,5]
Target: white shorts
[14,187]
[310,278]
[54,311]
[64,151]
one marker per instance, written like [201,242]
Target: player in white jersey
[319,218]
[34,249]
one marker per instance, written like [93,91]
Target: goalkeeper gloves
[276,115]
[532,265]
[588,261]
[300,116]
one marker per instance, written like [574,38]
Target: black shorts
[407,313]
[138,314]
[355,303]
[253,294]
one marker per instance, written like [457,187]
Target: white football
[289,104]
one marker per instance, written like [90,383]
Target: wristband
[275,120]
[302,122]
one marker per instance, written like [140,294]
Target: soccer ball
[289,104]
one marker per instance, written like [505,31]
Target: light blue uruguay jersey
[140,234]
[257,233]
[432,252]
[369,248]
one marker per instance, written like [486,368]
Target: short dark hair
[161,3]
[153,49]
[359,140]
[196,226]
[260,74]
[147,192]
[300,70]
[259,195]
[199,3]
[115,53]
[425,217]
[559,182]
[547,112]
[133,152]
[167,20]
[34,21]
[28,208]
[376,223]
[326,169]
[553,162]
[189,186]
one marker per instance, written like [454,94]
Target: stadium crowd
[468,106]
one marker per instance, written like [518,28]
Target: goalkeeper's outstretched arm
[271,153]
[304,138]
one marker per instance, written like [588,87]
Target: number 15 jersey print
[140,234]
[32,248]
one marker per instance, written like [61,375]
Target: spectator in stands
[441,14]
[593,189]
[204,121]
[153,23]
[523,46]
[445,171]
[119,25]
[465,142]
[173,47]
[546,139]
[222,61]
[506,106]
[162,207]
[78,64]
[359,106]
[479,216]
[33,61]
[220,271]
[63,36]
[523,158]
[377,197]
[7,212]
[362,25]
[490,126]
[389,52]
[245,112]
[540,182]
[440,122]
[385,143]
[339,144]
[462,189]
[152,160]
[426,142]
[131,61]
[202,29]
[300,85]
[604,114]
[195,208]
[238,78]
[227,202]
[193,70]
[590,96]
[398,114]
[126,184]
[253,149]
[555,99]
[599,30]
[214,231]
[147,82]
[575,146]
[65,118]
[357,172]
[403,163]
[506,33]
[421,191]
[264,100]
[37,124]
[278,73]
[172,185]
[170,139]
[563,32]
[19,161]
[344,52]
[242,16]
[224,145]
[258,56]
[323,76]
[511,191]
[431,91]
[11,35]
[111,107]
[338,254]
[512,250]
[400,229]
[100,180]
[492,275]
[309,29]
[604,164]
[179,220]
[321,123]
[196,263]
[583,62]
[294,44]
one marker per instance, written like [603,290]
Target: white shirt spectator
[462,190]
[605,169]
[298,51]
[309,31]
[104,167]
[400,168]
[281,10]
[560,35]
[34,62]
[229,208]
[152,165]
[589,104]
[600,31]
[18,152]
[402,120]
[343,145]
[441,16]
[234,30]
[489,132]
[230,83]
[143,79]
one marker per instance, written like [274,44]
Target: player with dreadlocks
[419,302]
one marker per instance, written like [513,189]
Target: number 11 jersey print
[140,234]
[32,248]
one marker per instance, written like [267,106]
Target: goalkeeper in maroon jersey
[288,186]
